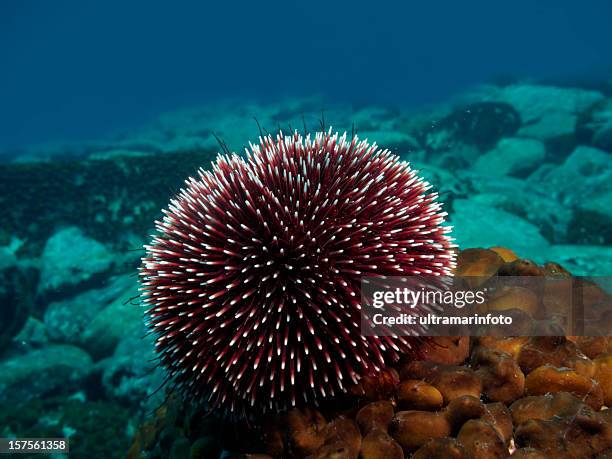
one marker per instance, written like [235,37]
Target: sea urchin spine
[253,281]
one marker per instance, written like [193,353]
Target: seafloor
[526,166]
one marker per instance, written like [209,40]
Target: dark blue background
[78,69]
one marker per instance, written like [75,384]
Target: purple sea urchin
[253,280]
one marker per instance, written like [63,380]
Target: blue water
[76,70]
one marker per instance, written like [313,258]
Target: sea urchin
[253,281]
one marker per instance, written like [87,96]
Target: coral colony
[252,282]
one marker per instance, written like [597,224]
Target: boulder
[481,124]
[8,253]
[71,258]
[16,302]
[595,125]
[67,320]
[52,369]
[548,113]
[32,335]
[584,173]
[477,225]
[132,374]
[583,260]
[584,184]
[528,200]
[511,156]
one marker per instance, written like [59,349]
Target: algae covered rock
[56,368]
[528,200]
[68,319]
[120,318]
[70,258]
[583,260]
[584,182]
[15,303]
[583,174]
[95,429]
[475,225]
[595,125]
[548,113]
[511,156]
[33,333]
[131,374]
[112,198]
[481,124]
[8,257]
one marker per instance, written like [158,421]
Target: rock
[603,138]
[15,303]
[511,156]
[67,320]
[113,199]
[547,112]
[477,225]
[446,183]
[586,172]
[481,124]
[33,334]
[8,257]
[595,125]
[592,222]
[96,429]
[120,318]
[131,376]
[460,157]
[529,200]
[40,372]
[583,260]
[584,182]
[551,126]
[543,212]
[70,258]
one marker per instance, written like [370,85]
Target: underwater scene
[210,214]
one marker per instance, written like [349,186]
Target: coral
[253,280]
